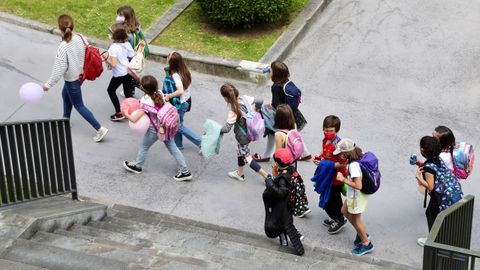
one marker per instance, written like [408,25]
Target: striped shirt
[69,61]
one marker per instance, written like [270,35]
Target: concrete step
[54,258]
[53,207]
[155,218]
[313,255]
[197,244]
[11,265]
[145,257]
[232,246]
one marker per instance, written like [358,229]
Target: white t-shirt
[121,51]
[178,82]
[447,159]
[355,199]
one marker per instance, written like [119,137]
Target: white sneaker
[101,132]
[306,212]
[234,175]
[421,241]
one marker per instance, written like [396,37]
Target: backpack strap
[453,161]
[284,89]
[285,138]
[247,104]
[83,40]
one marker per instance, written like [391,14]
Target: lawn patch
[192,32]
[91,17]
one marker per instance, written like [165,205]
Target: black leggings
[128,89]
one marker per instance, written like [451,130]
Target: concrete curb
[217,66]
[224,67]
[166,19]
[295,31]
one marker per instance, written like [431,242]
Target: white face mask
[120,19]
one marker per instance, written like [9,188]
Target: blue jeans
[72,96]
[149,139]
[184,130]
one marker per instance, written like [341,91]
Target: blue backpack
[170,87]
[446,185]
[370,174]
[293,95]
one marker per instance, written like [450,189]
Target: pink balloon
[31,92]
[130,105]
[141,126]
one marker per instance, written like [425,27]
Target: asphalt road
[391,70]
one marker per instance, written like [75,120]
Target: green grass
[91,17]
[192,32]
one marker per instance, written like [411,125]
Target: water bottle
[413,159]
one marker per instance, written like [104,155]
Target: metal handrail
[448,243]
[36,161]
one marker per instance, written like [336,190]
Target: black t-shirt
[433,194]
[278,96]
[436,161]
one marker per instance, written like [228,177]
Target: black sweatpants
[128,89]
[334,204]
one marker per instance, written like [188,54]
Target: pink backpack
[168,120]
[254,122]
[462,159]
[294,143]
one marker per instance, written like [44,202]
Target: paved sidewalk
[391,71]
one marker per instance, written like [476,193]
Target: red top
[327,154]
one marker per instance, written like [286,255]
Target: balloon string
[11,115]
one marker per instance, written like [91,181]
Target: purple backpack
[370,174]
[254,122]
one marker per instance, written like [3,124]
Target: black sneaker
[328,222]
[298,246]
[132,167]
[183,176]
[337,227]
[117,117]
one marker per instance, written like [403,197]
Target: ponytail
[65,24]
[149,85]
[157,98]
[229,92]
[67,36]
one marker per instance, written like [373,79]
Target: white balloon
[31,92]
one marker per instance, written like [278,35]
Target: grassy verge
[192,32]
[91,17]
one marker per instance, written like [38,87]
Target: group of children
[284,195]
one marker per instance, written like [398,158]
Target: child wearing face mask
[331,127]
[127,18]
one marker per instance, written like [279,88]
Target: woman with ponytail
[154,98]
[69,65]
[235,118]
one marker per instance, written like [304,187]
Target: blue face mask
[120,19]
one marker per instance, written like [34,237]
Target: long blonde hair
[230,93]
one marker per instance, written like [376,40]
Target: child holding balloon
[154,97]
[69,65]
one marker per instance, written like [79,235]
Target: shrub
[244,13]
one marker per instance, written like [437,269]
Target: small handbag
[136,66]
